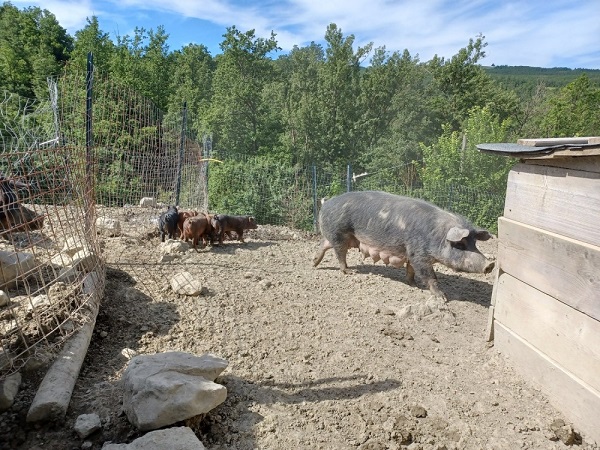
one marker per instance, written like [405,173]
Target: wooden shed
[545,312]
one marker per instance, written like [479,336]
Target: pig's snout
[489,267]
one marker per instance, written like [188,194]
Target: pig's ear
[456,234]
[482,235]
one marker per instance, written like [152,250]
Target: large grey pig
[401,230]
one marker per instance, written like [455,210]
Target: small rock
[167,257]
[418,411]
[128,353]
[108,226]
[4,298]
[173,247]
[148,202]
[563,432]
[8,390]
[180,438]
[185,283]
[86,424]
[265,284]
[103,334]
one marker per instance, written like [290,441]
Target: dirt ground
[317,359]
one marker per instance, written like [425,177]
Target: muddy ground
[317,359]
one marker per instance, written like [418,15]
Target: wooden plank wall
[563,201]
[546,298]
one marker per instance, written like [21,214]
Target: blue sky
[551,33]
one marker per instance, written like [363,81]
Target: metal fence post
[89,143]
[181,153]
[207,144]
[349,178]
[315,200]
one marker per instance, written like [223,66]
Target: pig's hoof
[348,271]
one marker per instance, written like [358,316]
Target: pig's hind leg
[325,245]
[340,245]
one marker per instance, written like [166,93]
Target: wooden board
[564,201]
[563,334]
[564,268]
[586,164]
[579,402]
[490,323]
[544,142]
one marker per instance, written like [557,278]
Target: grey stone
[86,424]
[184,283]
[177,438]
[13,266]
[148,202]
[165,388]
[85,260]
[73,245]
[4,298]
[108,226]
[8,390]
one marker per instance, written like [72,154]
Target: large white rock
[148,202]
[177,438]
[185,283]
[14,265]
[165,388]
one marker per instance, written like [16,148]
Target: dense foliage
[400,120]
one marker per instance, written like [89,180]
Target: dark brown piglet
[196,228]
[235,223]
[182,216]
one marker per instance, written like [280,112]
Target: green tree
[191,82]
[299,101]
[240,117]
[462,84]
[338,97]
[92,39]
[32,46]
[143,62]
[574,110]
[454,166]
[394,115]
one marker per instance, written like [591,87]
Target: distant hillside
[525,78]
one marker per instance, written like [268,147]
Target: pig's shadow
[230,247]
[456,286]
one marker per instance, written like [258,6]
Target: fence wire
[50,264]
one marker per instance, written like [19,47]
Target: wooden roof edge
[548,142]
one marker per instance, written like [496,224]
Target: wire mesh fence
[99,163]
[50,266]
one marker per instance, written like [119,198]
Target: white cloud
[536,33]
[71,14]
